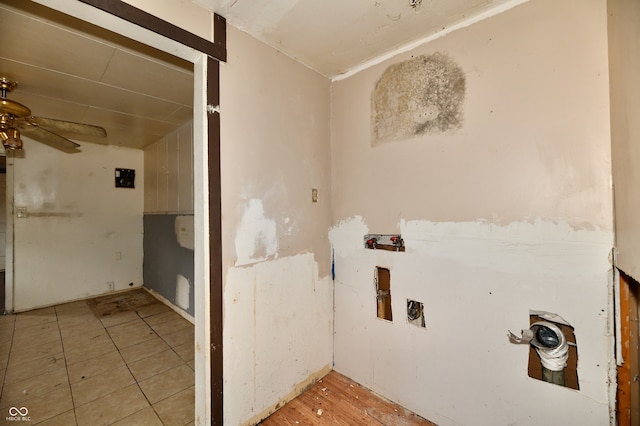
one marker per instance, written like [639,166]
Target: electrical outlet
[21,212]
[111,286]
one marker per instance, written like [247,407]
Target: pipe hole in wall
[415,313]
[383,293]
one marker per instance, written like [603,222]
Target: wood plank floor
[337,400]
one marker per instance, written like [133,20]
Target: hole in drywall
[383,293]
[568,377]
[415,313]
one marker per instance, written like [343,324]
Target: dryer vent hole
[570,373]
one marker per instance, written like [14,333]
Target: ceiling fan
[16,118]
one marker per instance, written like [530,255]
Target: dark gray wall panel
[164,258]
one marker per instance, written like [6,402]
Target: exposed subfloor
[125,364]
[337,400]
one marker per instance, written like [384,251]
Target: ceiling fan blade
[49,138]
[68,126]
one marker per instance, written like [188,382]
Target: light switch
[21,212]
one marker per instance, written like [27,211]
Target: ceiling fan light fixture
[11,138]
[14,115]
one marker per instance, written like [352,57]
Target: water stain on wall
[423,95]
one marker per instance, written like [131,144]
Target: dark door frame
[216,52]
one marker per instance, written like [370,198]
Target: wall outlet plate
[21,212]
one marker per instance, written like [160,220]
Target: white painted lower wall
[278,297]
[476,280]
[81,232]
[278,334]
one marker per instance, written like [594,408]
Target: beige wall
[624,57]
[277,289]
[511,212]
[80,232]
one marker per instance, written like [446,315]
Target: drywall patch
[559,249]
[423,95]
[346,236]
[256,235]
[278,312]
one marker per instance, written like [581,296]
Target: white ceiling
[72,70]
[336,36]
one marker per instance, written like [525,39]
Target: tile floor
[69,367]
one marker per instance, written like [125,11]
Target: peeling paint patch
[256,235]
[185,232]
[182,292]
[423,95]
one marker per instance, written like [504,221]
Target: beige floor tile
[94,366]
[146,417]
[6,336]
[5,349]
[192,365]
[177,409]
[4,359]
[143,349]
[65,419]
[100,346]
[179,337]
[36,329]
[155,364]
[163,317]
[81,328]
[92,336]
[131,333]
[37,316]
[119,318]
[71,306]
[7,320]
[185,351]
[47,406]
[38,386]
[111,408]
[156,308]
[168,383]
[95,387]
[168,327]
[66,322]
[24,341]
[34,368]
[21,356]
